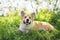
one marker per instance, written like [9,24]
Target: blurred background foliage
[44,15]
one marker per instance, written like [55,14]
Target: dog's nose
[27,20]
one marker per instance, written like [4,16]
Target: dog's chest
[24,27]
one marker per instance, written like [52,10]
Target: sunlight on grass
[43,15]
[10,23]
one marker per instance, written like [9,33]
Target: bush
[55,20]
[44,15]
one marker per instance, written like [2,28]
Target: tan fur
[42,25]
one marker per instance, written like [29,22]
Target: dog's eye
[30,17]
[25,16]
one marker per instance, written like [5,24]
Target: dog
[28,23]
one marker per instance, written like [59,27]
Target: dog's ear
[22,13]
[33,15]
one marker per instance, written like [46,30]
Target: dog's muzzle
[27,22]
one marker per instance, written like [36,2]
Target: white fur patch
[24,27]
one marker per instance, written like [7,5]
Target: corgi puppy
[28,23]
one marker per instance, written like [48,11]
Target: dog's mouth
[27,23]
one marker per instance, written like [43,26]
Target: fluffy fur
[34,25]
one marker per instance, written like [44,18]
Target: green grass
[9,27]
